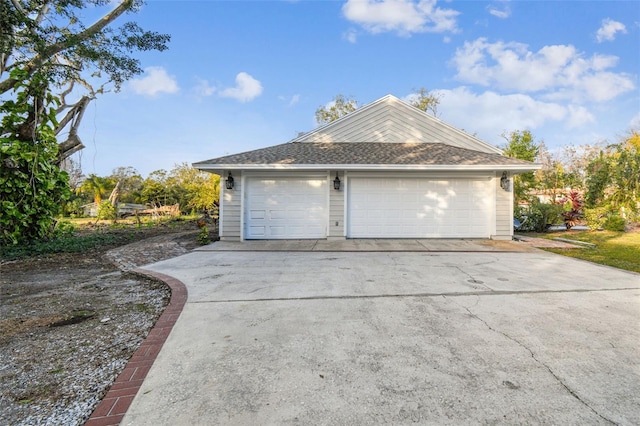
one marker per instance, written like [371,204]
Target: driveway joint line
[538,361]
[382,296]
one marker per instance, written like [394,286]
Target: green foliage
[60,244]
[339,107]
[599,179]
[425,100]
[615,223]
[32,187]
[596,217]
[59,36]
[614,177]
[64,229]
[51,42]
[192,189]
[539,216]
[107,211]
[203,236]
[522,145]
[96,187]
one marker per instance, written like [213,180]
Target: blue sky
[242,75]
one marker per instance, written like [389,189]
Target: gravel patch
[69,324]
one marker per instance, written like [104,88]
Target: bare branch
[74,115]
[63,95]
[44,9]
[19,8]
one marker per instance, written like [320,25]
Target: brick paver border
[110,411]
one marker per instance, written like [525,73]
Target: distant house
[91,209]
[386,170]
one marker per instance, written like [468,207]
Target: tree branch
[56,48]
[69,147]
[19,8]
[73,143]
[74,114]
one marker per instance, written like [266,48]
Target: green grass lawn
[617,249]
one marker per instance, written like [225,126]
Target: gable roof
[390,119]
[387,134]
[365,156]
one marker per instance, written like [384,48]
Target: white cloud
[578,117]
[290,101]
[351,36]
[401,16]
[294,100]
[203,88]
[635,122]
[559,70]
[608,30]
[490,113]
[247,88]
[155,81]
[500,9]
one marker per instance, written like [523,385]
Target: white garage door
[420,208]
[286,208]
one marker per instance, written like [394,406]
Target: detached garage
[386,170]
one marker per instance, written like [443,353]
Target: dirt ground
[69,322]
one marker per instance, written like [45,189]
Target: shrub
[615,223]
[572,207]
[596,217]
[539,216]
[32,187]
[203,236]
[107,211]
[64,229]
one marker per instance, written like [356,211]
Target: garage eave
[513,168]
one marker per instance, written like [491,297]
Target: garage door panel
[286,208]
[257,230]
[419,208]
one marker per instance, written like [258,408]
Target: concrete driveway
[339,338]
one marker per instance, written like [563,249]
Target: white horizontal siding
[336,207]
[504,211]
[392,120]
[231,209]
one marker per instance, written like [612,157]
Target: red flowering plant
[573,212]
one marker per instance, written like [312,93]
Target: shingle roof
[364,153]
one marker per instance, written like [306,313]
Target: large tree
[130,183]
[522,145]
[52,64]
[614,177]
[193,189]
[48,40]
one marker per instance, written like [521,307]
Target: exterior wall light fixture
[504,181]
[336,183]
[229,183]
